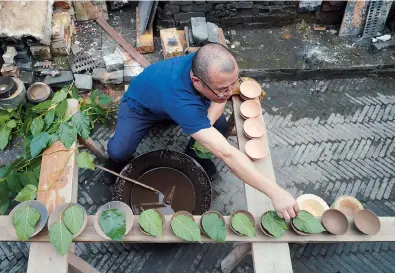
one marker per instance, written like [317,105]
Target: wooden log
[122,42]
[386,234]
[145,41]
[170,50]
[235,257]
[59,174]
[269,258]
[78,265]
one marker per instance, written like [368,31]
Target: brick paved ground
[329,137]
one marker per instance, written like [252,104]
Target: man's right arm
[243,168]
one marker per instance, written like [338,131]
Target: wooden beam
[145,41]
[59,174]
[170,50]
[93,147]
[122,42]
[235,257]
[78,265]
[386,234]
[268,258]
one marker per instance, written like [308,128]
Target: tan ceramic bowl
[250,89]
[298,231]
[367,222]
[254,127]
[349,205]
[55,216]
[256,149]
[335,222]
[313,204]
[250,109]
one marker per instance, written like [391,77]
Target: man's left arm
[215,110]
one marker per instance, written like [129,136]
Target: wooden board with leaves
[386,234]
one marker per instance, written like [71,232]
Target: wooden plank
[182,39]
[386,234]
[266,257]
[122,42]
[90,10]
[170,50]
[59,174]
[78,265]
[93,147]
[145,41]
[235,257]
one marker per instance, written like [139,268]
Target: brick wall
[242,13]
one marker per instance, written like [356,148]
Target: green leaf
[67,135]
[81,123]
[74,218]
[13,181]
[94,96]
[36,126]
[11,124]
[103,99]
[112,222]
[59,96]
[4,191]
[4,206]
[185,228]
[201,151]
[242,224]
[60,237]
[49,118]
[85,161]
[214,227]
[38,143]
[26,124]
[17,164]
[272,223]
[4,116]
[53,128]
[35,164]
[29,178]
[29,192]
[150,221]
[25,220]
[43,106]
[61,108]
[74,91]
[306,222]
[53,138]
[4,137]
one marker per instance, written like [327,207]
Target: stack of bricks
[9,67]
[248,14]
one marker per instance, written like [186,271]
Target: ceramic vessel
[250,109]
[254,127]
[206,213]
[348,205]
[60,209]
[313,204]
[163,222]
[256,149]
[250,89]
[38,92]
[248,214]
[367,222]
[335,222]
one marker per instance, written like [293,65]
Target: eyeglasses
[224,94]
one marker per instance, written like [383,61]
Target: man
[191,90]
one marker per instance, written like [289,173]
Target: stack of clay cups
[253,127]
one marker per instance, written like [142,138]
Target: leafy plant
[29,192]
[70,221]
[214,227]
[242,224]
[112,222]
[272,223]
[85,160]
[201,151]
[150,221]
[185,228]
[25,220]
[306,222]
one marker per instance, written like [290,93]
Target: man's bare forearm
[215,110]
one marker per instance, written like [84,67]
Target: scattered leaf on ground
[242,224]
[112,222]
[85,161]
[275,225]
[214,227]
[306,222]
[185,228]
[60,237]
[151,222]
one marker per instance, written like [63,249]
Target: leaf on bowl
[242,224]
[185,228]
[151,222]
[73,218]
[112,222]
[60,237]
[275,225]
[214,227]
[29,192]
[306,222]
[25,220]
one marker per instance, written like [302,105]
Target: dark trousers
[133,125]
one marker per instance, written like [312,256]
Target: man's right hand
[284,204]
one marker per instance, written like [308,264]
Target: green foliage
[112,222]
[25,220]
[272,223]
[306,222]
[4,136]
[201,151]
[42,106]
[81,123]
[38,143]
[61,108]
[150,221]
[49,118]
[214,227]
[185,228]
[29,192]
[85,161]
[30,178]
[242,224]
[13,181]
[67,134]
[60,95]
[73,218]
[60,237]
[36,126]
[4,206]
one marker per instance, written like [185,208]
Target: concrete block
[131,70]
[10,70]
[27,78]
[379,46]
[198,30]
[23,56]
[103,76]
[83,82]
[25,66]
[213,32]
[41,52]
[9,55]
[114,62]
[64,78]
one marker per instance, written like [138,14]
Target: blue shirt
[165,89]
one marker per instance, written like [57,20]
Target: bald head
[212,57]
